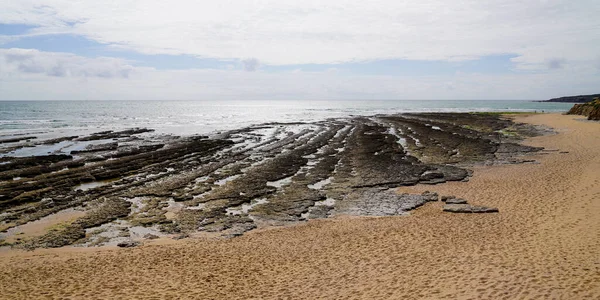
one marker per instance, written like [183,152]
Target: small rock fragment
[445,198]
[181,236]
[232,235]
[430,196]
[319,212]
[128,244]
[456,201]
[150,236]
[467,208]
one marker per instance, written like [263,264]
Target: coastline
[544,243]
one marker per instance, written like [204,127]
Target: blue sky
[497,49]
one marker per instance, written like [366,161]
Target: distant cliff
[574,99]
[590,109]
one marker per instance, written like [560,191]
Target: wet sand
[544,244]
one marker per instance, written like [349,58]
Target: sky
[284,49]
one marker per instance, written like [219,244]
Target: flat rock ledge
[381,202]
[468,208]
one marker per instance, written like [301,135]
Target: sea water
[61,118]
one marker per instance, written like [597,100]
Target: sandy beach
[544,244]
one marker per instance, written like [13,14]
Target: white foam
[225,180]
[281,182]
[326,202]
[402,141]
[245,208]
[94,184]
[319,185]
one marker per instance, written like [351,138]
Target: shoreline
[543,243]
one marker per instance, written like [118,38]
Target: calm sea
[58,118]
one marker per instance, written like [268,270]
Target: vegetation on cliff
[590,109]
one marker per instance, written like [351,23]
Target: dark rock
[182,197]
[452,173]
[430,196]
[232,235]
[467,208]
[31,161]
[104,135]
[181,236]
[239,229]
[431,175]
[97,148]
[16,139]
[319,212]
[151,236]
[456,201]
[128,244]
[516,148]
[446,198]
[58,140]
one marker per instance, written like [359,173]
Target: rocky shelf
[131,187]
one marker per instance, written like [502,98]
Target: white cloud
[251,64]
[556,63]
[60,64]
[87,78]
[280,32]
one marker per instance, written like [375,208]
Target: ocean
[59,118]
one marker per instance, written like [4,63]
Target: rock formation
[590,109]
[132,186]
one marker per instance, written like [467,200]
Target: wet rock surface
[136,185]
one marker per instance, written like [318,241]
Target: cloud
[556,63]
[32,74]
[7,39]
[61,64]
[250,64]
[285,32]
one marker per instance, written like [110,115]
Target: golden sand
[544,244]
